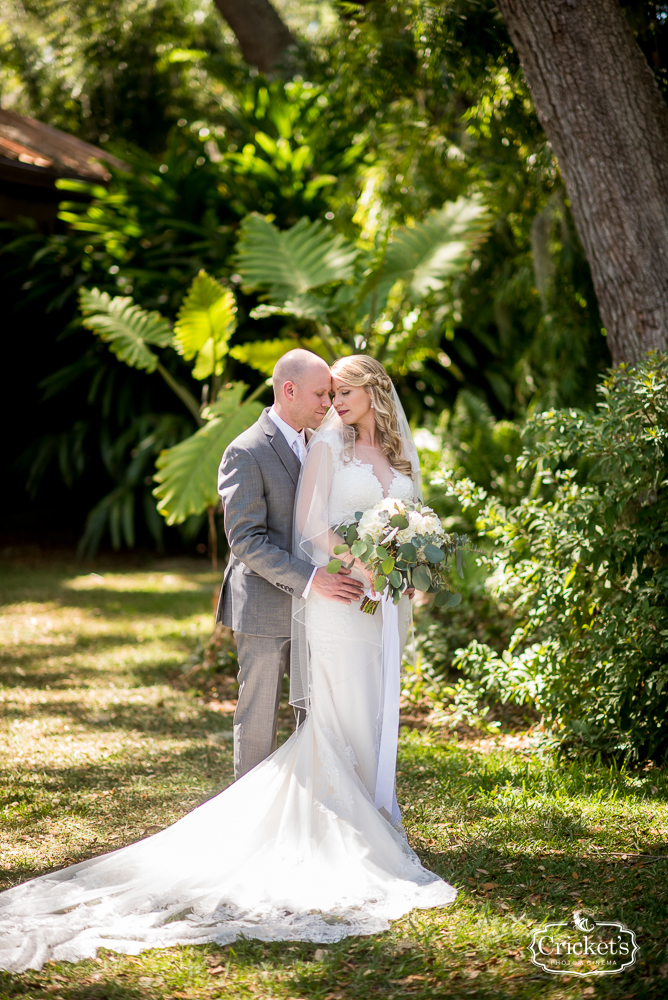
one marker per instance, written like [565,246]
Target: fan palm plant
[186,474]
[344,294]
[352,298]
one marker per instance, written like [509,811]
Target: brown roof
[58,154]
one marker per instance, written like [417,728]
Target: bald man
[256,482]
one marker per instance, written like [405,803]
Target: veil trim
[312,527]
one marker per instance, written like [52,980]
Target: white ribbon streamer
[385,798]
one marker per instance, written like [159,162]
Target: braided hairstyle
[358,369]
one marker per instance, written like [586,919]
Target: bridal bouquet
[404,545]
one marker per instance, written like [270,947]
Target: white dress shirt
[294,438]
[297,442]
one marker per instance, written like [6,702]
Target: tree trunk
[261,34]
[601,109]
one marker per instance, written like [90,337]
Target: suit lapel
[281,447]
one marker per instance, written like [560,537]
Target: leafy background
[381,117]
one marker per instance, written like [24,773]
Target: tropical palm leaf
[307,306]
[291,262]
[187,473]
[205,323]
[126,327]
[211,356]
[426,254]
[263,354]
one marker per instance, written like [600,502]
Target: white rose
[432,525]
[413,529]
[371,524]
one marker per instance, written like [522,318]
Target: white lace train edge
[276,856]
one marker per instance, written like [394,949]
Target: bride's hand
[410,593]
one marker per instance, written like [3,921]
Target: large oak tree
[261,33]
[602,111]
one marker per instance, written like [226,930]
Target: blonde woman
[308,845]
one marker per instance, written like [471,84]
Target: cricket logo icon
[584,946]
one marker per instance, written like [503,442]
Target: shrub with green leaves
[585,565]
[186,470]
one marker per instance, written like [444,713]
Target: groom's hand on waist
[339,586]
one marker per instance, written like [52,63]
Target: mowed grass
[102,742]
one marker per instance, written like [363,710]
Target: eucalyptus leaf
[334,565]
[399,521]
[421,578]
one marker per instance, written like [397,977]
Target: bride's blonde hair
[358,369]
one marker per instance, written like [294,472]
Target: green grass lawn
[104,738]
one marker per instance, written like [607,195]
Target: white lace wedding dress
[295,850]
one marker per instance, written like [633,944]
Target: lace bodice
[355,487]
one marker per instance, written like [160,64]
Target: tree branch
[261,33]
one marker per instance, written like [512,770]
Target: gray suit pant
[263,661]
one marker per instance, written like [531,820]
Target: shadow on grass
[136,718]
[113,603]
[485,777]
[106,989]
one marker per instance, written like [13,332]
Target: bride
[308,846]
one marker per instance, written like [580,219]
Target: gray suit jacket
[256,482]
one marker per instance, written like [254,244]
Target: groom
[256,482]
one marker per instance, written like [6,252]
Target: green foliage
[126,327]
[469,443]
[147,236]
[187,470]
[104,72]
[129,461]
[392,112]
[314,275]
[443,100]
[263,354]
[289,263]
[585,564]
[205,323]
[424,255]
[187,473]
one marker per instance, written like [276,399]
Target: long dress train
[295,850]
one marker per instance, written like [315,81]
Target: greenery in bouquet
[403,545]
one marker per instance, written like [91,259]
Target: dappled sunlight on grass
[98,745]
[150,583]
[107,736]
